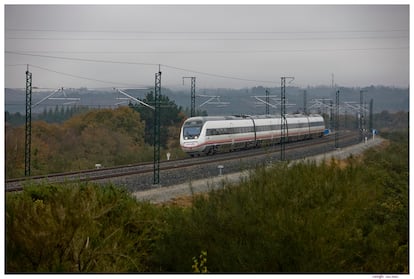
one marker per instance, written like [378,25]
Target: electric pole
[361,115]
[371,115]
[331,116]
[193,84]
[337,119]
[305,111]
[283,121]
[157,124]
[28,130]
[267,112]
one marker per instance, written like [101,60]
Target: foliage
[391,122]
[114,137]
[14,151]
[60,115]
[105,136]
[14,119]
[170,115]
[303,218]
[78,228]
[200,263]
[300,218]
[56,115]
[198,112]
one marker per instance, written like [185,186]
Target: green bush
[301,218]
[304,218]
[78,228]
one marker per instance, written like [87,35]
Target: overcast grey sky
[223,46]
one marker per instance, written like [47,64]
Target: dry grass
[187,200]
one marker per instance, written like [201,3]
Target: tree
[170,115]
[106,136]
[14,151]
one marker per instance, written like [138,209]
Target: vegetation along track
[178,171]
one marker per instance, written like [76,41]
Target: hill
[233,101]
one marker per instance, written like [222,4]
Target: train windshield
[192,129]
[191,132]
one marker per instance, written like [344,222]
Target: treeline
[171,116]
[117,136]
[383,121]
[332,218]
[108,137]
[76,138]
[56,115]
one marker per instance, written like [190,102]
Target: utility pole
[283,121]
[193,85]
[157,124]
[157,120]
[331,116]
[371,115]
[361,115]
[267,112]
[28,130]
[305,101]
[337,120]
[346,119]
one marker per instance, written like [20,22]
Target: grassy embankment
[334,217]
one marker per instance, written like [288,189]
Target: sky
[223,46]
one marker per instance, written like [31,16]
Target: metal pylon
[157,116]
[337,120]
[267,102]
[193,86]
[361,115]
[283,124]
[28,130]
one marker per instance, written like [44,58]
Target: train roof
[238,117]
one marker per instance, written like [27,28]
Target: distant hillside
[233,101]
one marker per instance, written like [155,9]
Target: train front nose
[189,145]
[191,135]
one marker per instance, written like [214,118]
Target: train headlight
[196,137]
[186,138]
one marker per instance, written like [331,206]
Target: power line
[212,51]
[81,59]
[215,75]
[137,63]
[203,32]
[184,69]
[82,77]
[206,39]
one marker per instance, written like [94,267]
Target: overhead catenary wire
[81,59]
[205,32]
[84,78]
[253,51]
[138,63]
[207,39]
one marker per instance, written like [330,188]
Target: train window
[193,123]
[211,132]
[314,124]
[191,132]
[235,130]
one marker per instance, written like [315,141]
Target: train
[206,135]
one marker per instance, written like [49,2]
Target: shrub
[303,218]
[78,228]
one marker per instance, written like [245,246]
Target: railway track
[142,169]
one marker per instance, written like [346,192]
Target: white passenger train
[212,134]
